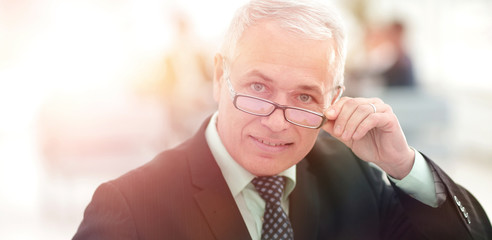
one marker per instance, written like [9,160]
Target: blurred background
[92,89]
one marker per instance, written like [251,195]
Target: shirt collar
[237,178]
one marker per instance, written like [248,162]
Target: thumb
[328,127]
[331,117]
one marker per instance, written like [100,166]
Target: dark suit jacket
[181,194]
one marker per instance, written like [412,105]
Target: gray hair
[306,18]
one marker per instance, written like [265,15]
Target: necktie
[276,224]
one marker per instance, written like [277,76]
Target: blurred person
[263,159]
[387,56]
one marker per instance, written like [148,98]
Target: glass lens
[303,118]
[253,105]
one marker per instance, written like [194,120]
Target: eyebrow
[311,88]
[256,73]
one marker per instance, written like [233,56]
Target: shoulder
[167,165]
[170,170]
[136,202]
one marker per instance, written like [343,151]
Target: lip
[270,145]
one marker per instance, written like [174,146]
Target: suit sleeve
[107,216]
[419,183]
[459,215]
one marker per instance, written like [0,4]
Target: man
[276,82]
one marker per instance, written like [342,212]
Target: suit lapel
[304,206]
[313,208]
[214,197]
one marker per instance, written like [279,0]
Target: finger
[343,116]
[331,112]
[377,101]
[346,112]
[359,115]
[372,121]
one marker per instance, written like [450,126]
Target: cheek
[307,139]
[231,122]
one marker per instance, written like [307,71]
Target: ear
[338,94]
[218,74]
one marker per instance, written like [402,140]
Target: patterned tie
[276,224]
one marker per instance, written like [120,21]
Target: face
[272,64]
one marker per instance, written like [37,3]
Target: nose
[276,121]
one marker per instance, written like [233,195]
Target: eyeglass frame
[234,95]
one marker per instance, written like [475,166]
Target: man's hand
[373,136]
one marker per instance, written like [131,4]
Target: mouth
[271,145]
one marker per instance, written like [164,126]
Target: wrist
[400,169]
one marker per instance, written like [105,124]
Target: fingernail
[331,112]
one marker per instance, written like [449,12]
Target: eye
[258,87]
[305,98]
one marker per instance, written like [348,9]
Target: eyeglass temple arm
[231,89]
[340,88]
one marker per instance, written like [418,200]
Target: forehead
[283,56]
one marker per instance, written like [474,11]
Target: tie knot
[270,188]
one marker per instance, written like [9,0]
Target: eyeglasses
[262,107]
